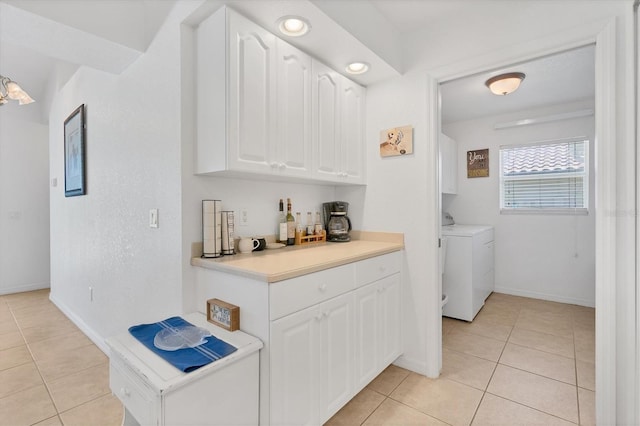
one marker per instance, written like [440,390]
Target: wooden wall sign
[478,163]
[223,314]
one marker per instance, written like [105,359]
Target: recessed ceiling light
[293,26]
[357,68]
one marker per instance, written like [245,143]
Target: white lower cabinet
[324,354]
[312,362]
[336,354]
[378,333]
[295,368]
[327,334]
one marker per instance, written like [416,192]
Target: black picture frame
[74,153]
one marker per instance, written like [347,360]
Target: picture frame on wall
[74,154]
[396,141]
[478,163]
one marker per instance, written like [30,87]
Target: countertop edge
[212,264]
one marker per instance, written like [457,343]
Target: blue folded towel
[187,359]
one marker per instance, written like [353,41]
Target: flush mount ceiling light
[357,68]
[504,84]
[9,89]
[293,26]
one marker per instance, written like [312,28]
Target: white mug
[247,245]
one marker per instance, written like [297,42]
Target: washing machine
[468,270]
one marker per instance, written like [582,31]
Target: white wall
[24,200]
[103,240]
[140,151]
[544,256]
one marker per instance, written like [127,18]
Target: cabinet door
[337,355]
[448,165]
[293,141]
[326,121]
[252,96]
[367,354]
[390,335]
[295,377]
[352,134]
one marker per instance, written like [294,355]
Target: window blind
[544,177]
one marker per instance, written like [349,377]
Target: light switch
[153,218]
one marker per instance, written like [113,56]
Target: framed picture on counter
[74,154]
[223,314]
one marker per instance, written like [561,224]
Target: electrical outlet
[153,218]
[244,217]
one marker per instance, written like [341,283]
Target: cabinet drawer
[370,270]
[133,393]
[288,296]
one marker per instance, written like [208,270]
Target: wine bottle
[282,225]
[291,225]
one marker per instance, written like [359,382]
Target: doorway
[605,185]
[542,208]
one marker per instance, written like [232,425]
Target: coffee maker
[336,221]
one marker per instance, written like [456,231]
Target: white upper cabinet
[352,131]
[262,109]
[338,127]
[293,143]
[326,121]
[236,95]
[448,165]
[252,95]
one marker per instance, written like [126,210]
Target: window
[549,177]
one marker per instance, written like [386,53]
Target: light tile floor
[521,361]
[50,372]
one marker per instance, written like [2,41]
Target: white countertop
[274,265]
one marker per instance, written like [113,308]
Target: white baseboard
[545,296]
[411,364]
[24,288]
[90,332]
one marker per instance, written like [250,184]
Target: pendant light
[9,89]
[504,84]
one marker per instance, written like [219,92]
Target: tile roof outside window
[539,159]
[550,177]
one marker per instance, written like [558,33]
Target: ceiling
[556,79]
[42,42]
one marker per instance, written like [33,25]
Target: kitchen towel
[187,359]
